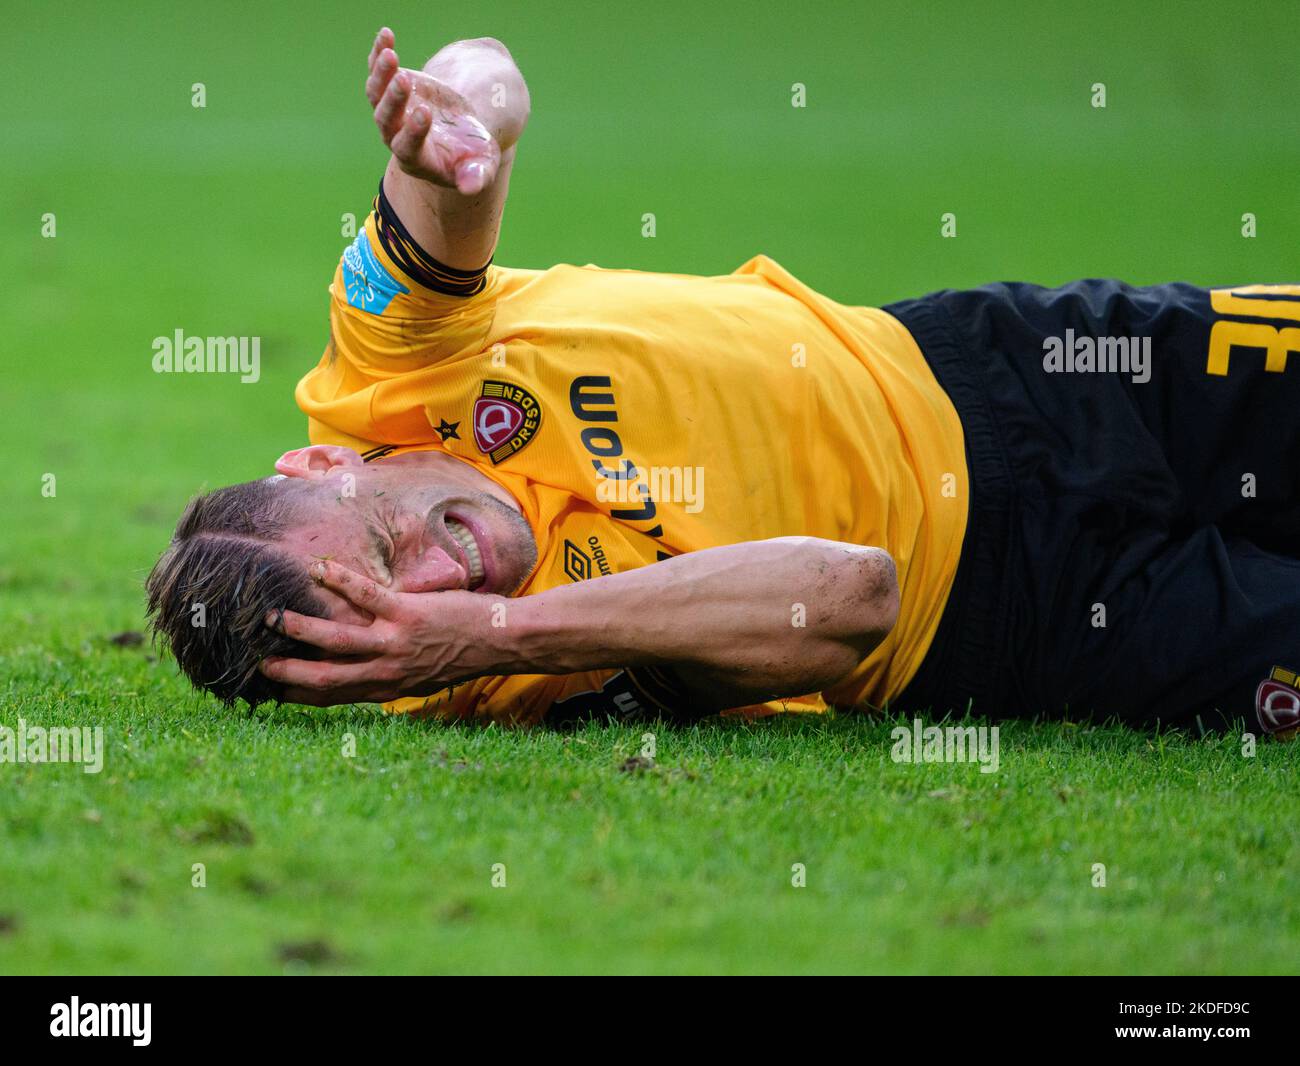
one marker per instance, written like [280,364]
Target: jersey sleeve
[528,699]
[391,302]
[626,695]
[394,311]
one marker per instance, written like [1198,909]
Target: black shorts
[1133,541]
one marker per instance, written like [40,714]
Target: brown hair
[210,592]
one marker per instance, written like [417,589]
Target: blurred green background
[226,220]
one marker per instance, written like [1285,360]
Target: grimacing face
[419,522]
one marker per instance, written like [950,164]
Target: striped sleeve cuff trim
[418,264]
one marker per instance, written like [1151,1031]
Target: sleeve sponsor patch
[368,284]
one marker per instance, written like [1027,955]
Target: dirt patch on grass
[220,827]
[456,910]
[318,952]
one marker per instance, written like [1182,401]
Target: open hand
[431,129]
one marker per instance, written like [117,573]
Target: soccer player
[546,495]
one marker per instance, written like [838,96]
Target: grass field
[226,220]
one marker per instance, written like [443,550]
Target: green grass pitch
[227,220]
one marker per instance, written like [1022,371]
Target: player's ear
[316,461]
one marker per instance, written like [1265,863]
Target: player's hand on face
[430,128]
[415,644]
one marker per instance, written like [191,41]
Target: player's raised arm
[452,129]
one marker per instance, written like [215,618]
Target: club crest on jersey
[1277,701]
[506,417]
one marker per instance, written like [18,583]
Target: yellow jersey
[636,416]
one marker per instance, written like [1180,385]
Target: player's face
[415,523]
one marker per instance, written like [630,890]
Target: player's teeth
[465,539]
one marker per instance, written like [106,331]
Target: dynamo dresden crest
[506,417]
[1277,701]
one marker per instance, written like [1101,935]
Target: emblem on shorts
[1277,701]
[506,417]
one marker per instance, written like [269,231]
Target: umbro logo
[577,563]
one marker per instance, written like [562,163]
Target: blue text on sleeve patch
[370,287]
